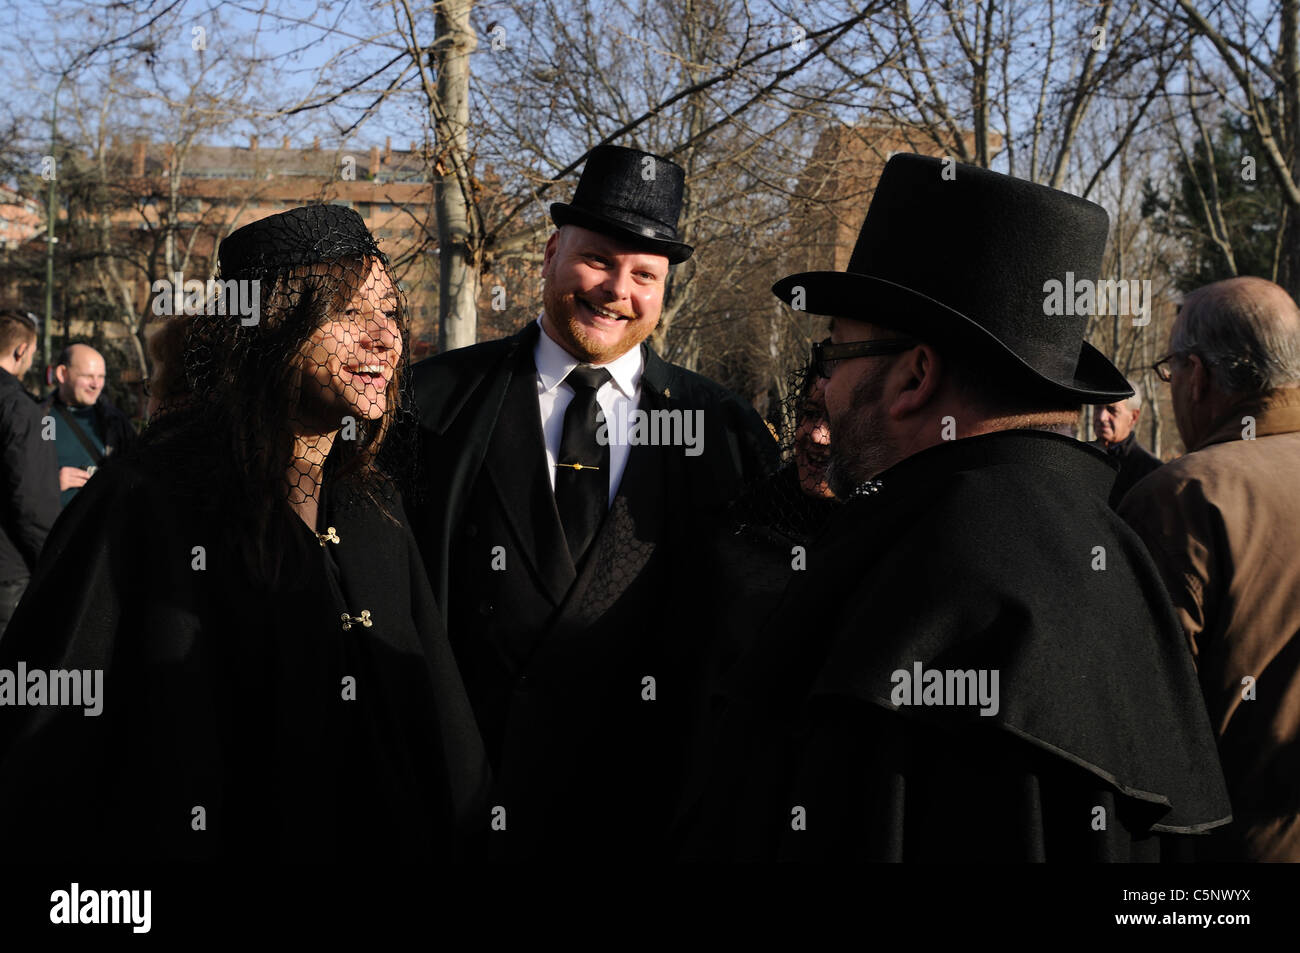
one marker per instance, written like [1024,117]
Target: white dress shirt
[618,397]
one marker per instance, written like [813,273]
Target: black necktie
[582,471]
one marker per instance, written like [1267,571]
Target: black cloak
[299,739]
[978,554]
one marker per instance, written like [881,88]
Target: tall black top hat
[300,236]
[966,260]
[632,195]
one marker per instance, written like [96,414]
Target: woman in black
[276,680]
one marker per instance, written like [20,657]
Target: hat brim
[563,213]
[880,301]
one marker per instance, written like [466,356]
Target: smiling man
[567,561]
[87,427]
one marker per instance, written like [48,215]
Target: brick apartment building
[218,189]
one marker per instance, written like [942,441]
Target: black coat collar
[1086,467]
[515,463]
[446,384]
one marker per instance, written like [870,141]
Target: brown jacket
[1223,525]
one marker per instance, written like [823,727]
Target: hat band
[647,225]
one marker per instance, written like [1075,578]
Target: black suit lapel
[516,466]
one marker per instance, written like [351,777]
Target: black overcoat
[994,553]
[586,685]
[29,481]
[234,694]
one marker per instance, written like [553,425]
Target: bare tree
[1265,76]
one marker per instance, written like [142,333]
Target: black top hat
[963,259]
[632,195]
[300,236]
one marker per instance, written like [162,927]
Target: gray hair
[1247,329]
[1134,402]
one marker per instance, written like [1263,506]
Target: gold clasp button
[364,619]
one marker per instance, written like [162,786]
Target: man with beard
[566,473]
[979,663]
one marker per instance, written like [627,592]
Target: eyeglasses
[825,355]
[1164,366]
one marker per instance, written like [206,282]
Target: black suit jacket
[585,684]
[29,481]
[1135,461]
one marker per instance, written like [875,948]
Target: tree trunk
[457,245]
[1289,57]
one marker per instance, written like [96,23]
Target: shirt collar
[1122,448]
[554,363]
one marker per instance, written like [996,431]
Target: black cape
[979,554]
[228,693]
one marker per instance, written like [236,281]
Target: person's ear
[914,380]
[20,351]
[1136,414]
[548,255]
[61,373]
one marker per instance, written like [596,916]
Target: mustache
[600,307]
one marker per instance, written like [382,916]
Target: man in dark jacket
[30,502]
[567,474]
[1116,427]
[979,663]
[87,427]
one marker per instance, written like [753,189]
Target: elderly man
[1223,525]
[28,501]
[979,663]
[567,473]
[87,428]
[1115,424]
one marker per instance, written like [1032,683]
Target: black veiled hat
[964,260]
[300,236]
[632,195]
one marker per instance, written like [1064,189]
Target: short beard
[573,337]
[860,448]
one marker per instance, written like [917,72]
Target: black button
[471,530]
[486,608]
[522,683]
